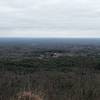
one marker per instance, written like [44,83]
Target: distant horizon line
[55,37]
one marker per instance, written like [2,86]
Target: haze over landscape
[49,50]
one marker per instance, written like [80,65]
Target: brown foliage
[28,95]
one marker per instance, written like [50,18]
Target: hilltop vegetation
[71,78]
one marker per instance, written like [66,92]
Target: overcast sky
[50,18]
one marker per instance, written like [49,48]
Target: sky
[49,18]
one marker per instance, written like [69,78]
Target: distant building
[56,55]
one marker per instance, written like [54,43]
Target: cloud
[49,16]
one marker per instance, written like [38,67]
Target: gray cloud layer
[49,15]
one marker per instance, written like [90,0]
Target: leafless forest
[43,70]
